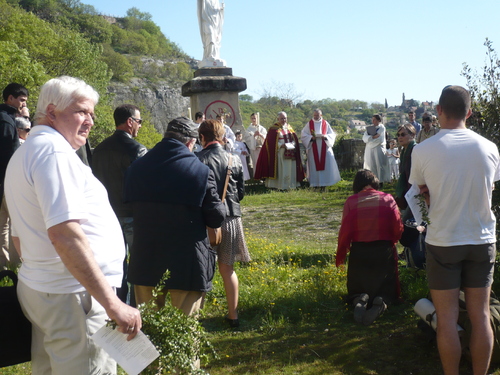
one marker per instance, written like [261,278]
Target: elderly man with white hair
[279,160]
[68,237]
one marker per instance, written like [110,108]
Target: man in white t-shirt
[68,237]
[456,170]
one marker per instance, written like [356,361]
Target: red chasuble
[267,163]
[318,161]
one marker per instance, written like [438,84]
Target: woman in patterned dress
[233,247]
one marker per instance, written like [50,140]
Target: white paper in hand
[133,356]
[413,203]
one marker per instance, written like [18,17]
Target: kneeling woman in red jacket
[371,226]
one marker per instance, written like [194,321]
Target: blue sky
[365,49]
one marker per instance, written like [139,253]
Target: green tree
[45,50]
[380,108]
[484,88]
[119,65]
[18,67]
[246,98]
[95,28]
[136,13]
[485,92]
[59,50]
[104,123]
[367,114]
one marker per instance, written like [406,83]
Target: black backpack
[15,329]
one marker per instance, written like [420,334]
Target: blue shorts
[469,266]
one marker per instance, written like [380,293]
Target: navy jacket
[174,198]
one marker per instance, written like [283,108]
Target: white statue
[211,19]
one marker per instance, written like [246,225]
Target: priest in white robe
[375,150]
[318,138]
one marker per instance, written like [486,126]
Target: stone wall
[350,154]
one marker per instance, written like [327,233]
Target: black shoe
[360,303]
[233,323]
[376,310]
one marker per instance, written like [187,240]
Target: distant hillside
[125,41]
[128,57]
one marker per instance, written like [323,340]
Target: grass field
[292,311]
[294,319]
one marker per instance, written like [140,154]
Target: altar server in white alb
[375,150]
[241,149]
[254,137]
[318,138]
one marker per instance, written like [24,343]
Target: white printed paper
[133,356]
[414,203]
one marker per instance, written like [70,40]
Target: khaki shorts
[469,266]
[190,302]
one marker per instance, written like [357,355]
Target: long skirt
[373,269]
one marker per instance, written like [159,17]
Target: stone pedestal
[214,91]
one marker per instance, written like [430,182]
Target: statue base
[214,91]
[215,63]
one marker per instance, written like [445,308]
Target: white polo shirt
[47,184]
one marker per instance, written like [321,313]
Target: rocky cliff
[162,101]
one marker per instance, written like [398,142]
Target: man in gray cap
[174,198]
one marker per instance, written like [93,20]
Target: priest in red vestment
[279,160]
[318,138]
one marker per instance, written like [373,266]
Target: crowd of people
[382,155]
[88,225]
[454,170]
[93,230]
[274,155]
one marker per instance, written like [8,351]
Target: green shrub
[179,338]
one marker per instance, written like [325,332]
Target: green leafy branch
[180,339]
[422,204]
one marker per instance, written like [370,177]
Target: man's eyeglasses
[138,120]
[402,134]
